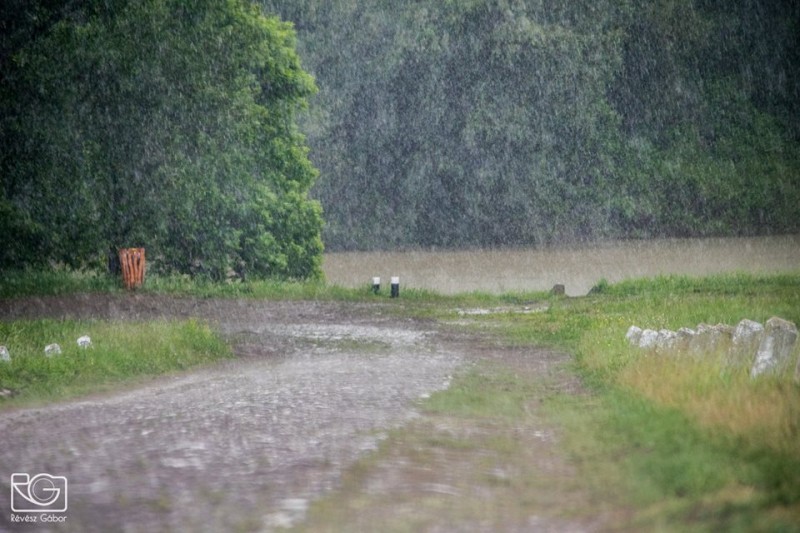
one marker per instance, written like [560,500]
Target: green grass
[692,445]
[676,474]
[257,289]
[63,281]
[485,393]
[20,283]
[738,284]
[120,352]
[51,282]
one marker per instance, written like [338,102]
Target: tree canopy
[164,123]
[522,122]
[174,125]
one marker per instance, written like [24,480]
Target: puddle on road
[339,332]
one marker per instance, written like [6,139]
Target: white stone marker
[52,349]
[776,347]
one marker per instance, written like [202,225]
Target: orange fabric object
[132,262]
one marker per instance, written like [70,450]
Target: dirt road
[244,445]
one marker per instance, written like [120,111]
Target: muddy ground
[248,444]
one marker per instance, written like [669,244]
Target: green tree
[522,122]
[167,124]
[464,123]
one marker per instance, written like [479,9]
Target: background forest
[177,125]
[529,122]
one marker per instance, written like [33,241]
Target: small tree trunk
[113,262]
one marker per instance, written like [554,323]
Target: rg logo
[41,493]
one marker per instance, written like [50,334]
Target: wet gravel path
[245,445]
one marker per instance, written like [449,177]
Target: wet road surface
[244,445]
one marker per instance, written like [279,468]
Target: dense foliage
[171,125]
[164,123]
[522,122]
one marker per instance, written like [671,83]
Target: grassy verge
[479,457]
[119,352]
[64,281]
[674,473]
[693,445]
[50,282]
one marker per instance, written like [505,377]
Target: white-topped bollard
[376,285]
[395,286]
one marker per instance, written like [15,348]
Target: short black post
[395,286]
[376,285]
